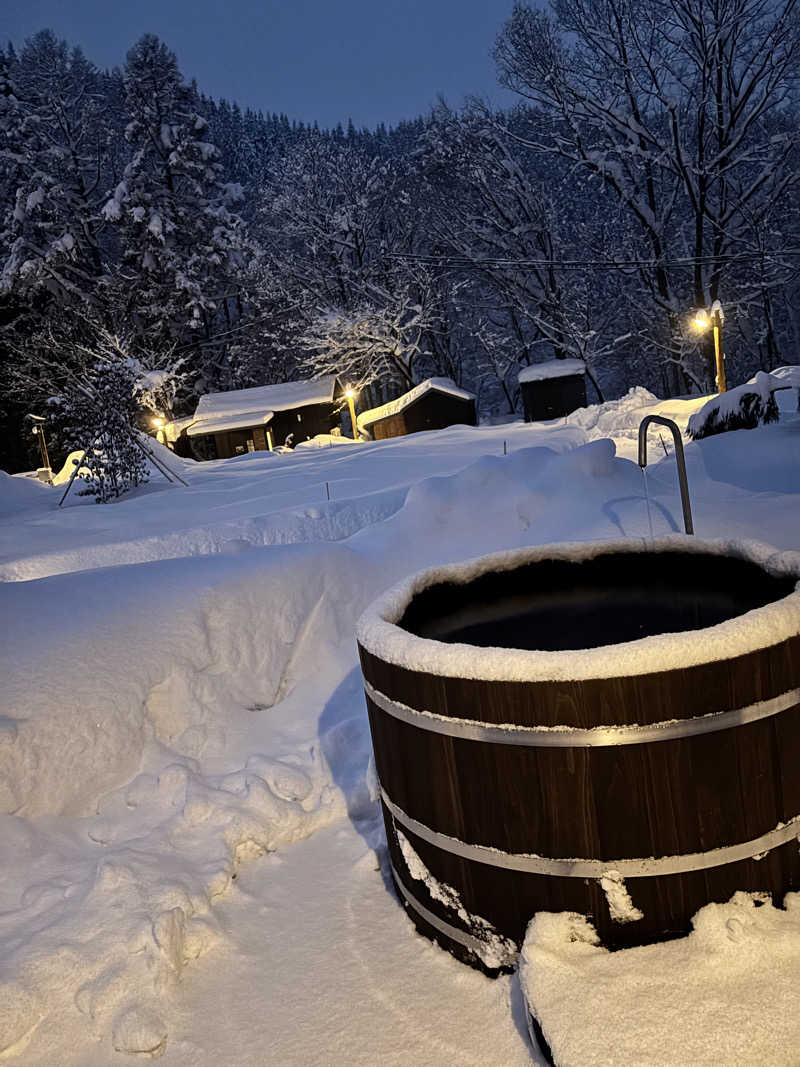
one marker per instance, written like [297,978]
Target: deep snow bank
[724,996]
[102,661]
[22,494]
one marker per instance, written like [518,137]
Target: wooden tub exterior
[675,786]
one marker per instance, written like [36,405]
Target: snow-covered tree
[182,243]
[101,418]
[54,160]
[379,343]
[97,408]
[509,217]
[679,108]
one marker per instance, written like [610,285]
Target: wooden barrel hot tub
[610,729]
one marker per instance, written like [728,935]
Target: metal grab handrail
[679,457]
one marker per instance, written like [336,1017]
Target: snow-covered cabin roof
[439,385]
[172,430]
[240,408]
[554,368]
[223,423]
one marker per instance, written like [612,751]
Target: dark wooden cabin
[431,405]
[256,420]
[550,390]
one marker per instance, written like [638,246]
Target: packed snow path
[166,722]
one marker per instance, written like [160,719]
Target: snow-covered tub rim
[378,633]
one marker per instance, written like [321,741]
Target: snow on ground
[170,718]
[725,995]
[259,498]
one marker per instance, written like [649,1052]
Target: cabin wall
[551,398]
[433,411]
[303,423]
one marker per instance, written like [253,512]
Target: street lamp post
[350,393]
[38,432]
[715,320]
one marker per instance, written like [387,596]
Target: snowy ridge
[439,385]
[20,494]
[333,520]
[378,633]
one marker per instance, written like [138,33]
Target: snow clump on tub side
[620,906]
[492,948]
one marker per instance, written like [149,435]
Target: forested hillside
[152,236]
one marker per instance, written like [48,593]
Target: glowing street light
[702,321]
[158,422]
[351,394]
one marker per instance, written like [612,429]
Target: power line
[582,264]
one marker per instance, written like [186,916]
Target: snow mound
[21,494]
[613,418]
[325,440]
[742,408]
[724,996]
[127,710]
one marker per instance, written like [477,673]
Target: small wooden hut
[431,405]
[255,420]
[553,389]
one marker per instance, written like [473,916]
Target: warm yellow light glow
[350,393]
[158,422]
[701,321]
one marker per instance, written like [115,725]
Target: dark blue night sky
[330,61]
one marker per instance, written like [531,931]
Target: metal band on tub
[580,737]
[582,868]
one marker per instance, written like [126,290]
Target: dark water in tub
[555,604]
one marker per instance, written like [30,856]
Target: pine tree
[99,416]
[54,159]
[181,242]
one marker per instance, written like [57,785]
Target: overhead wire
[576,264]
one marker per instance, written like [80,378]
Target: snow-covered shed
[431,405]
[553,389]
[254,420]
